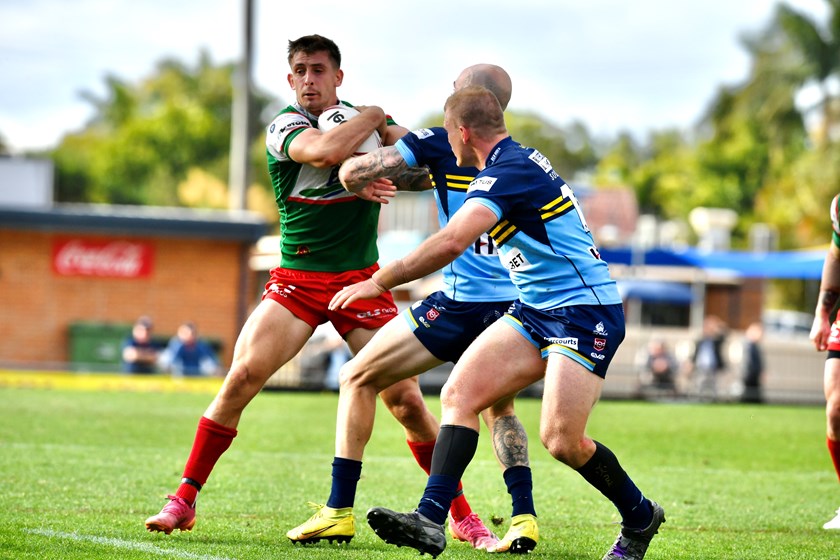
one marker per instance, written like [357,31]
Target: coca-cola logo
[103,258]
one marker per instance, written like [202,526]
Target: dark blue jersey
[477,275]
[541,234]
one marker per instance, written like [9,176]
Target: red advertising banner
[104,258]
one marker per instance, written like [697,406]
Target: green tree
[145,138]
[571,148]
[818,47]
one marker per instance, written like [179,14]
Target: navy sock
[345,476]
[454,449]
[520,486]
[437,498]
[605,473]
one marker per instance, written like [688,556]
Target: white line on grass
[119,543]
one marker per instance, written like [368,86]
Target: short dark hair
[311,44]
[477,108]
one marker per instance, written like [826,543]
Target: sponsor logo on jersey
[541,160]
[600,329]
[513,259]
[297,123]
[482,184]
[432,314]
[484,246]
[423,133]
[568,342]
[597,356]
[495,155]
[599,344]
[302,250]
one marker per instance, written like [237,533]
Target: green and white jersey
[324,228]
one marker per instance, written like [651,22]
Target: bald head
[488,76]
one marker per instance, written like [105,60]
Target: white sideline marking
[119,543]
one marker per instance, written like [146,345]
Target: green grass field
[81,470]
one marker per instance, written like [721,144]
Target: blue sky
[613,64]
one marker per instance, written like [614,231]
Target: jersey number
[566,191]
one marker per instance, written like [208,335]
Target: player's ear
[290,80]
[465,134]
[339,77]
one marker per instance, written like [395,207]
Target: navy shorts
[588,334]
[446,327]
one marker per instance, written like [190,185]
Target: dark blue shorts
[588,334]
[446,327]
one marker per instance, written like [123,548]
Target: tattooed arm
[356,173]
[828,299]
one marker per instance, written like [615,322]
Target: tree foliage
[145,139]
[570,148]
[165,140]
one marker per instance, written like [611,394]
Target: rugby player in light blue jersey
[565,328]
[477,291]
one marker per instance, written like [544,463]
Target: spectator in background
[657,369]
[707,361]
[188,355]
[752,365]
[139,352]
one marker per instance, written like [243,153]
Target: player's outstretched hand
[820,331]
[379,191]
[361,290]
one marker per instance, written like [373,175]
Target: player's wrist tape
[390,276]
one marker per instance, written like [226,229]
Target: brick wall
[193,279]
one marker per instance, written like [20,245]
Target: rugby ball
[338,114]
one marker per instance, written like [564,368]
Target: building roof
[146,221]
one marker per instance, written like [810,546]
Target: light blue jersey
[477,275]
[541,235]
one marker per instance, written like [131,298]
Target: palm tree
[819,48]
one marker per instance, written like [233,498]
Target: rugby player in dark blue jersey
[565,327]
[477,291]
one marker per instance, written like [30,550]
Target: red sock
[422,451]
[834,451]
[211,440]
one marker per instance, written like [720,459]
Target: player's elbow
[326,160]
[451,248]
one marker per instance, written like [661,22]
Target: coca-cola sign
[104,258]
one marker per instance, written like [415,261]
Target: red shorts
[834,336]
[307,294]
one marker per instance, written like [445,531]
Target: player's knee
[405,405]
[449,398]
[561,446]
[240,386]
[832,412]
[350,376]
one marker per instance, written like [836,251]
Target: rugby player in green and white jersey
[328,241]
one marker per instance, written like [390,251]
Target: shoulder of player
[287,120]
